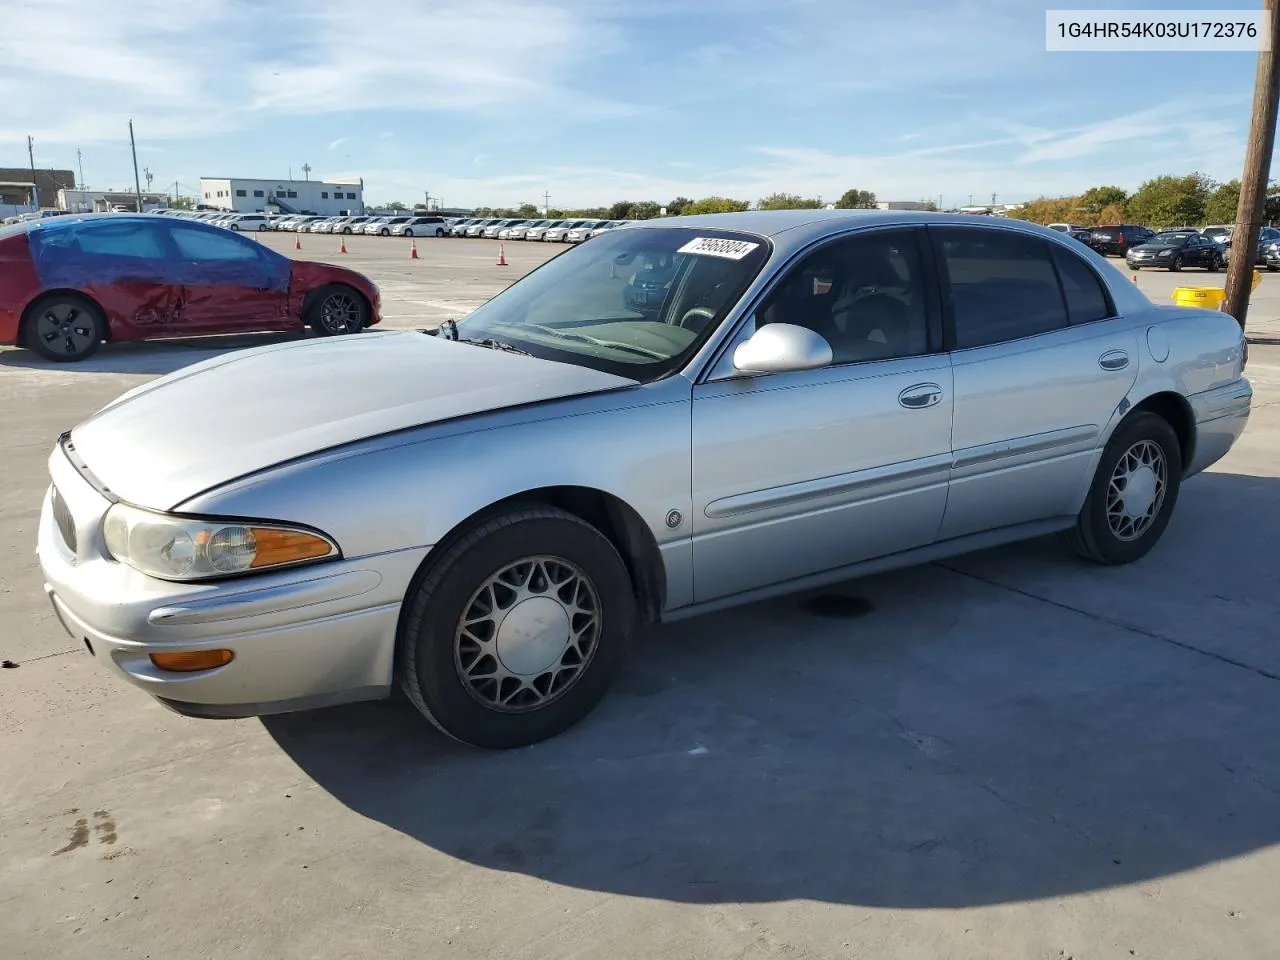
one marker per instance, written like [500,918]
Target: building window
[351,196]
[324,194]
[241,193]
[291,194]
[206,194]
[257,193]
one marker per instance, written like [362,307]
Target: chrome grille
[62,517]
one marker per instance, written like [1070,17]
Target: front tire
[336,310]
[439,233]
[1215,262]
[515,633]
[1176,265]
[408,233]
[64,328]
[384,232]
[1133,493]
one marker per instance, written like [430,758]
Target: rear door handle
[920,395]
[1114,360]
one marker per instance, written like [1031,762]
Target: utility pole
[993,199]
[1257,163]
[939,203]
[80,164]
[546,204]
[306,170]
[971,199]
[31,156]
[175,191]
[137,184]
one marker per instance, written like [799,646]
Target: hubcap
[527,634]
[1136,491]
[63,328]
[340,313]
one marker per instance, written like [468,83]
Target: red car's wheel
[337,310]
[64,327]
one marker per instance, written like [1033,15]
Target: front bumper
[305,637]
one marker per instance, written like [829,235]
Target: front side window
[207,245]
[865,295]
[638,304]
[1003,285]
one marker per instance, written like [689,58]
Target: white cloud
[335,144]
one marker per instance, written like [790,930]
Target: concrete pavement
[1006,755]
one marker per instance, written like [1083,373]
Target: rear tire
[64,328]
[337,310]
[1141,466]
[439,233]
[492,681]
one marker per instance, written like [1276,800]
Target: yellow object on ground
[1208,297]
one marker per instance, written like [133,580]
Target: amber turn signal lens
[192,660]
[275,547]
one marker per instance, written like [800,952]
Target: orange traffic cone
[1134,278]
[502,255]
[342,245]
[413,249]
[297,242]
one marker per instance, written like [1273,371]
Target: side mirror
[780,348]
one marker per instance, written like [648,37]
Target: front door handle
[1113,360]
[920,395]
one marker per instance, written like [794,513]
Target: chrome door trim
[1059,441]
[866,484]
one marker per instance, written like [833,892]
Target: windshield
[636,303]
[1217,231]
[1168,239]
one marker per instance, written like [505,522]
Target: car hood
[204,425]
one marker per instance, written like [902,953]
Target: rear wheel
[439,232]
[1133,493]
[516,632]
[337,310]
[65,328]
[1214,263]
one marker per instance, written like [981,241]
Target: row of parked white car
[385,226]
[551,231]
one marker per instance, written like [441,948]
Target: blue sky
[496,101]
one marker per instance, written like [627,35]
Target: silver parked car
[677,417]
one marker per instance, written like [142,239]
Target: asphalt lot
[1007,755]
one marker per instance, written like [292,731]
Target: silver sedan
[677,417]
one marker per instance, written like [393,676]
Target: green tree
[1095,198]
[645,210]
[1046,210]
[396,205]
[716,205]
[856,200]
[182,203]
[1271,205]
[677,206]
[527,210]
[1223,203]
[787,201]
[1171,201]
[621,210]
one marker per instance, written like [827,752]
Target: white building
[902,205]
[104,201]
[326,197]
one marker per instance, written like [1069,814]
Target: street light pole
[137,184]
[1257,162]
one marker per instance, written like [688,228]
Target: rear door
[1040,365]
[229,283]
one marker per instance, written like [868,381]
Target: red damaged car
[69,283]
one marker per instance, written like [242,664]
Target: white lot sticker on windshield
[714,247]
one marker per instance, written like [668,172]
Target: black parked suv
[1115,239]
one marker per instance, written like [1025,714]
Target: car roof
[793,229]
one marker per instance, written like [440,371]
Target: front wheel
[408,233]
[439,233]
[1215,262]
[1133,493]
[1176,265]
[1133,268]
[65,328]
[337,310]
[235,228]
[384,232]
[516,632]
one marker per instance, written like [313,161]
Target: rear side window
[1086,298]
[1003,286]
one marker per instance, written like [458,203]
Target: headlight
[182,548]
[1164,253]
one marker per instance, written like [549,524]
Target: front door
[229,282]
[124,265]
[803,472]
[1041,364]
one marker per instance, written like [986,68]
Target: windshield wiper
[597,342]
[449,331]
